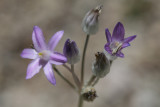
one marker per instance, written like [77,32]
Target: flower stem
[91,80]
[67,67]
[80,103]
[57,71]
[83,59]
[76,80]
[95,82]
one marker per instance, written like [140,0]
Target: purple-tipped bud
[101,66]
[71,51]
[90,21]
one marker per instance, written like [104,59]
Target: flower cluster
[44,56]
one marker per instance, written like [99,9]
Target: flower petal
[57,59]
[118,32]
[38,39]
[29,53]
[129,39]
[120,54]
[108,36]
[33,68]
[48,71]
[124,45]
[107,48]
[55,39]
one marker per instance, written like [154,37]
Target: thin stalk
[75,77]
[83,59]
[67,67]
[95,82]
[80,103]
[66,80]
[91,80]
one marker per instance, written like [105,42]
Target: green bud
[101,65]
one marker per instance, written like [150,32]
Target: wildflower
[101,66]
[43,55]
[117,42]
[71,51]
[90,21]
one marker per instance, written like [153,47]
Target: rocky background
[133,80]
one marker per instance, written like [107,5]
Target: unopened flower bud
[71,51]
[89,93]
[101,65]
[90,21]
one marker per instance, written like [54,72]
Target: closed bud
[101,65]
[90,21]
[89,93]
[71,51]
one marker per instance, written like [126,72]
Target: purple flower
[71,51]
[43,55]
[117,42]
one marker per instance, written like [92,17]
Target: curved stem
[75,77]
[83,59]
[57,71]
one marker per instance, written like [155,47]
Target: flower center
[45,55]
[115,46]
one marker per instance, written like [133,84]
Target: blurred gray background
[133,80]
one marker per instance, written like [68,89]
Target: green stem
[95,82]
[80,103]
[91,80]
[57,71]
[75,77]
[83,59]
[67,67]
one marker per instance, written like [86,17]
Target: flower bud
[101,66]
[90,21]
[71,51]
[88,93]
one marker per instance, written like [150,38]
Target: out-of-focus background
[133,80]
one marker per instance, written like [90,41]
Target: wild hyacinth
[71,51]
[43,55]
[116,42]
[91,20]
[101,65]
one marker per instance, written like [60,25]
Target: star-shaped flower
[43,55]
[117,42]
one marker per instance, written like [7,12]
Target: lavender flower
[117,42]
[43,55]
[71,51]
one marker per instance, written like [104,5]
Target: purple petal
[33,68]
[48,71]
[55,39]
[108,36]
[107,48]
[120,54]
[29,53]
[57,59]
[38,39]
[124,45]
[129,39]
[118,32]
